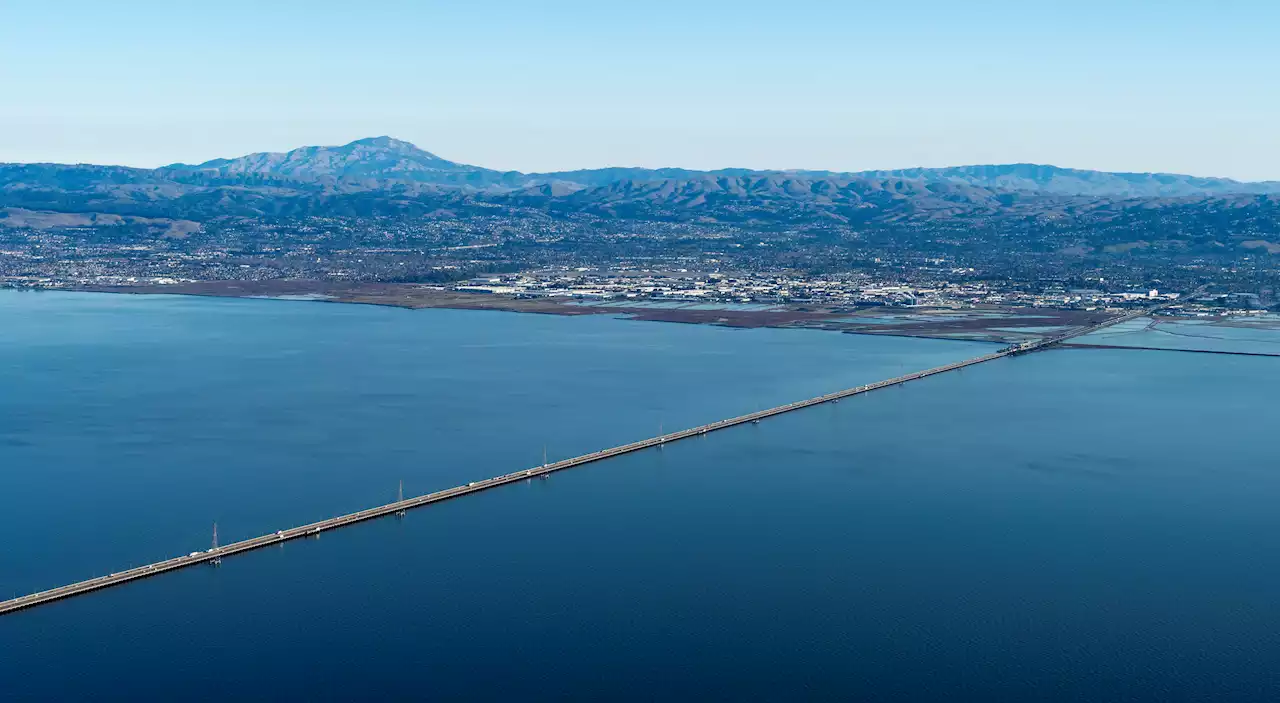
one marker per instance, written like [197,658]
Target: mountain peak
[373,158]
[385,142]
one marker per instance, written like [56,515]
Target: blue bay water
[130,424]
[1068,525]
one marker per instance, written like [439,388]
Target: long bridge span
[216,554]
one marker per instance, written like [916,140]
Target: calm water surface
[1256,335]
[1076,524]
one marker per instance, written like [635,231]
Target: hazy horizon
[845,86]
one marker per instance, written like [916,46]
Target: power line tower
[217,559]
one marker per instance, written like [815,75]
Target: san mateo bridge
[217,553]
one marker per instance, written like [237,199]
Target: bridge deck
[316,528]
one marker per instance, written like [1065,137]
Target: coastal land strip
[989,324]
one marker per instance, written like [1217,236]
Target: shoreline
[992,324]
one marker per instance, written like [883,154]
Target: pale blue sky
[1189,86]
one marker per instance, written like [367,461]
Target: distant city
[383,211]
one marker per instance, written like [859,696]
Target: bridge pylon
[217,559]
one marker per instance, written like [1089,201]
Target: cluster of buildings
[846,290]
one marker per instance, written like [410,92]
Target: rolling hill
[385,177]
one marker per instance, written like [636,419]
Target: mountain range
[382,176]
[384,160]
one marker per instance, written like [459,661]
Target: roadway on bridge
[316,528]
